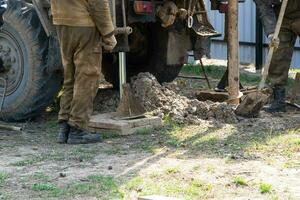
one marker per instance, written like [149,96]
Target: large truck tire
[148,53]
[23,49]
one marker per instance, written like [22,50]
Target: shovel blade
[129,106]
[252,104]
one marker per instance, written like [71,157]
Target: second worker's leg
[279,69]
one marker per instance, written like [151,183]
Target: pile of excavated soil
[162,100]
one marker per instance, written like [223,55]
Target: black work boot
[77,136]
[278,103]
[64,129]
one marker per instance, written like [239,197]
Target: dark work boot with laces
[278,104]
[77,136]
[64,129]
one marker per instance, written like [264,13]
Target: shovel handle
[272,48]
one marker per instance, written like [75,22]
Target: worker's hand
[109,43]
[273,42]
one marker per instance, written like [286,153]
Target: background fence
[247,13]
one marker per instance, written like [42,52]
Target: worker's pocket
[90,65]
[296,27]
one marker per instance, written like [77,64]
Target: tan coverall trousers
[81,73]
[281,61]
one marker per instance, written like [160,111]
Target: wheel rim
[11,62]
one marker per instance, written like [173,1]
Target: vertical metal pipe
[114,13]
[122,55]
[233,53]
[122,71]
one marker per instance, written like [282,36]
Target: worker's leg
[87,72]
[279,69]
[67,48]
[280,65]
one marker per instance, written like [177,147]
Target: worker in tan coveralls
[279,68]
[80,25]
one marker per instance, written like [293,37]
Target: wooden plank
[233,53]
[108,123]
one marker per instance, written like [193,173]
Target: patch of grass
[51,124]
[135,183]
[168,185]
[43,187]
[172,170]
[285,144]
[147,144]
[29,161]
[85,153]
[292,164]
[5,196]
[3,178]
[216,72]
[104,187]
[113,150]
[211,169]
[239,181]
[55,156]
[110,135]
[40,176]
[265,188]
[144,131]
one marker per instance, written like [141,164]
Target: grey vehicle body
[30,64]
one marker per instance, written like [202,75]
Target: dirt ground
[252,159]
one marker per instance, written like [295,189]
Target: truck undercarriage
[30,66]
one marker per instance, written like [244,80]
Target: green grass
[216,72]
[43,187]
[104,187]
[172,170]
[3,178]
[144,131]
[285,144]
[40,176]
[169,185]
[84,153]
[265,188]
[239,181]
[35,159]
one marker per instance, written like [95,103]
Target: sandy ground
[170,161]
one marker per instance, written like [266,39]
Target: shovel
[254,102]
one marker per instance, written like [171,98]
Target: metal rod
[10,128]
[114,13]
[205,75]
[122,71]
[122,55]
